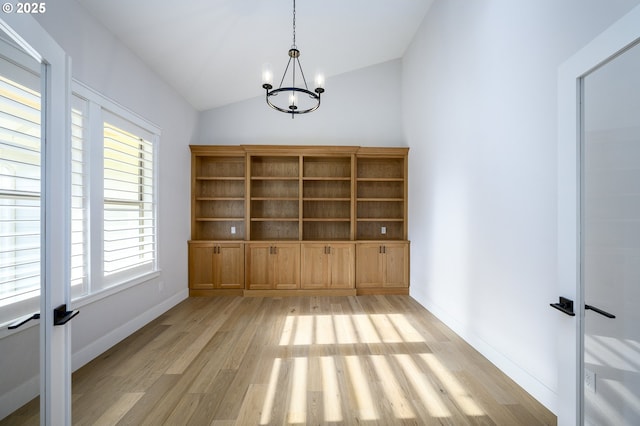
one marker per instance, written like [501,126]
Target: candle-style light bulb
[319,82]
[267,76]
[293,101]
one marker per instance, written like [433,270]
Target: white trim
[617,38]
[114,107]
[15,398]
[115,289]
[99,346]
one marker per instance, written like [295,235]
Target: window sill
[86,300]
[81,301]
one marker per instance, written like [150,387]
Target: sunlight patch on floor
[360,389]
[460,394]
[395,394]
[331,390]
[304,330]
[298,402]
[430,397]
[325,334]
[267,407]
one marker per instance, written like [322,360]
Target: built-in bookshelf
[293,219]
[381,195]
[218,195]
[327,192]
[275,193]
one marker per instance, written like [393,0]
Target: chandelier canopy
[292,99]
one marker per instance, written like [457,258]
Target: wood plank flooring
[366,360]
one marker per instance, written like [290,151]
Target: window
[129,219]
[114,195]
[113,204]
[19,190]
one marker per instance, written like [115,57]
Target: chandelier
[292,99]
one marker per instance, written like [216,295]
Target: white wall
[479,109]
[358,108]
[101,62]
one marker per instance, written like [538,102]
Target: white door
[595,237]
[611,241]
[34,123]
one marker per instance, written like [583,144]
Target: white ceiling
[212,51]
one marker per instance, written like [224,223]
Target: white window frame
[98,286]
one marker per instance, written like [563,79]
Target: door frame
[55,342]
[622,35]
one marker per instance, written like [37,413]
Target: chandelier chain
[294,24]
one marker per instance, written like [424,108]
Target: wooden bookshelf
[381,194]
[327,194]
[299,212]
[274,209]
[218,195]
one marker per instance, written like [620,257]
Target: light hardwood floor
[372,360]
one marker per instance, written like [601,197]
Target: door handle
[599,311]
[564,305]
[23,320]
[61,316]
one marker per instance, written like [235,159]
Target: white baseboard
[17,397]
[541,392]
[100,345]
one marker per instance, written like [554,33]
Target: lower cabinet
[328,265]
[382,265]
[216,266]
[273,266]
[234,267]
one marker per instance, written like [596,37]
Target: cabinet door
[259,266]
[343,268]
[315,266]
[201,266]
[396,261]
[286,266]
[369,265]
[229,266]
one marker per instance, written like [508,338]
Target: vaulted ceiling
[212,51]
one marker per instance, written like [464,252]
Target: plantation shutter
[19,187]
[129,204]
[79,225]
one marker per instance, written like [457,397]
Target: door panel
[21,209]
[315,266]
[397,272]
[369,265]
[43,197]
[287,266]
[343,265]
[259,266]
[611,241]
[230,263]
[201,266]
